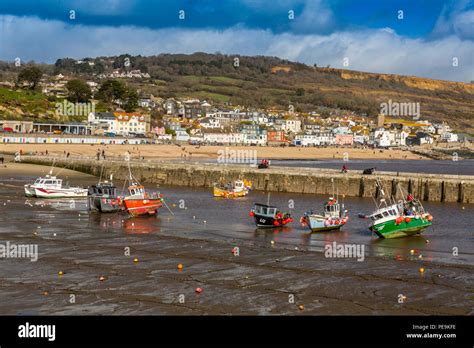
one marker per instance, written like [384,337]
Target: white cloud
[368,50]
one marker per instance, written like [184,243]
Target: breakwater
[428,187]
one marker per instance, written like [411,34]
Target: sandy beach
[191,151]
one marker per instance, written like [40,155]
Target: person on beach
[344,169]
[98,154]
[68,154]
[103,154]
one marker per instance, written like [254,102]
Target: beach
[276,271]
[201,152]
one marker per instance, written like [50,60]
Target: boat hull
[218,192]
[262,221]
[104,204]
[137,207]
[29,191]
[321,224]
[390,229]
[60,193]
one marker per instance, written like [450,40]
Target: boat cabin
[265,210]
[48,181]
[332,208]
[105,189]
[386,213]
[239,185]
[136,191]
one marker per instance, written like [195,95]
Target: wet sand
[178,152]
[259,281]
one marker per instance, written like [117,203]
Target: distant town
[198,121]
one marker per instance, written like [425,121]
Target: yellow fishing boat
[237,189]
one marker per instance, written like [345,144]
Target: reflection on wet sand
[141,225]
[402,248]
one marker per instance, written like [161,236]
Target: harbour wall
[427,187]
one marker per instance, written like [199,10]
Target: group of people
[99,154]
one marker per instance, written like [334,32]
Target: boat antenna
[332,181]
[268,198]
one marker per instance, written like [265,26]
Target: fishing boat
[52,187]
[269,216]
[138,201]
[402,218]
[333,217]
[103,198]
[237,189]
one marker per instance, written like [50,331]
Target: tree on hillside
[111,90]
[300,92]
[78,91]
[31,75]
[130,100]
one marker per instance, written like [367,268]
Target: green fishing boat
[394,219]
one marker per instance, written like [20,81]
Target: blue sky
[367,32]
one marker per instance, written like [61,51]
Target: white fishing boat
[52,187]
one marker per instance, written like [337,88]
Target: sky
[427,38]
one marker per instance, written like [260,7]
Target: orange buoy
[301,307]
[135,260]
[407,219]
[180,267]
[101,278]
[429,218]
[198,290]
[422,270]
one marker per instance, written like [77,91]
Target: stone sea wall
[428,187]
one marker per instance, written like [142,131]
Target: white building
[449,137]
[105,121]
[318,139]
[260,139]
[182,136]
[128,123]
[291,125]
[223,138]
[384,138]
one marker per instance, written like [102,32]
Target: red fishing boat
[139,202]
